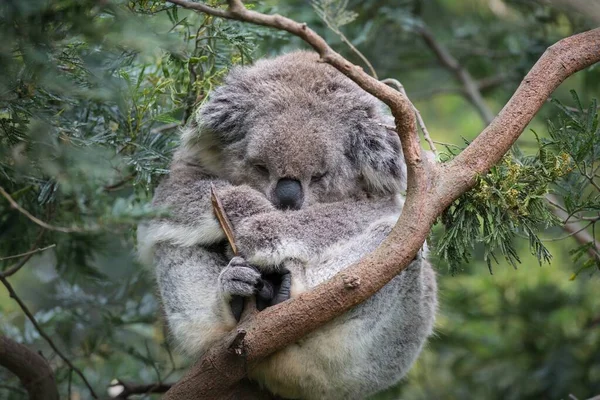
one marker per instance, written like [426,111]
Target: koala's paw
[240,279]
[243,201]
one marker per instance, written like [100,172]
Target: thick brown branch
[32,369]
[559,61]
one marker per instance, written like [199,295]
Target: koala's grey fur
[291,117]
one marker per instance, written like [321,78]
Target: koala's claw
[240,279]
[285,287]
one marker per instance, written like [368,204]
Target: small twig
[448,145]
[471,88]
[583,218]
[223,219]
[119,185]
[31,252]
[482,84]
[399,87]
[349,44]
[37,221]
[15,268]
[575,230]
[43,334]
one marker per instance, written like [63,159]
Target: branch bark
[32,369]
[431,188]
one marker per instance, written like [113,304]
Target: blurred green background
[91,95]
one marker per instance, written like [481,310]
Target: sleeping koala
[310,180]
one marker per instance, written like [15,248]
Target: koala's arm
[196,312]
[367,349]
[195,277]
[186,196]
[271,238]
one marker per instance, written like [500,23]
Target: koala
[311,180]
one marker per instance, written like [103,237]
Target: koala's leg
[365,350]
[197,287]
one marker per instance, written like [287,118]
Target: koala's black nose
[288,194]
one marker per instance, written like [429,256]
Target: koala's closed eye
[261,168]
[318,177]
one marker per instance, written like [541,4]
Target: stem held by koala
[223,218]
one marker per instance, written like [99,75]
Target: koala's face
[295,158]
[300,132]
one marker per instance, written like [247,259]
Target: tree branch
[431,188]
[28,253]
[576,230]
[472,91]
[471,87]
[43,334]
[26,256]
[482,85]
[337,31]
[32,369]
[558,62]
[400,87]
[34,219]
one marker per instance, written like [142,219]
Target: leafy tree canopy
[92,94]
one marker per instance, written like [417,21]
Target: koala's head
[299,131]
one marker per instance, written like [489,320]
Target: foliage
[334,12]
[527,334]
[91,97]
[511,200]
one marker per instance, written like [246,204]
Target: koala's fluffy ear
[221,121]
[377,153]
